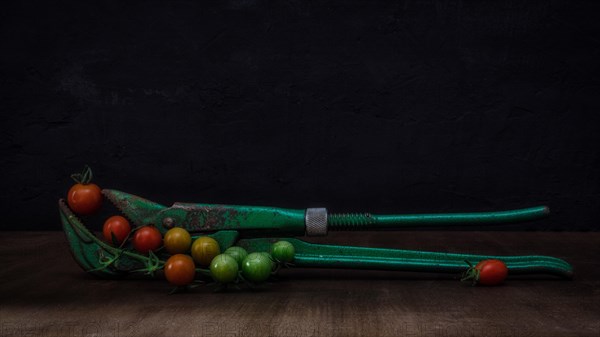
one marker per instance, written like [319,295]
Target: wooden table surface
[44,293]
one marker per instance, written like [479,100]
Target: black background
[381,106]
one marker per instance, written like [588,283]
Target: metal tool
[255,228]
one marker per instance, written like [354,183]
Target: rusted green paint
[207,218]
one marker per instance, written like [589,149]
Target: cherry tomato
[177,240]
[84,197]
[257,267]
[238,253]
[147,239]
[270,258]
[283,251]
[180,269]
[204,250]
[491,272]
[117,226]
[224,268]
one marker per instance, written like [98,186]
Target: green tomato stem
[85,177]
[471,274]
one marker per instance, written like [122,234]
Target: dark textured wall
[381,106]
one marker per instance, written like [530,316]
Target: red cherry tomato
[180,269]
[147,239]
[491,272]
[84,197]
[118,226]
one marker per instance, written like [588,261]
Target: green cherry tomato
[224,268]
[257,267]
[283,251]
[177,240]
[268,256]
[238,253]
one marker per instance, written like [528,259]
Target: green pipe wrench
[255,228]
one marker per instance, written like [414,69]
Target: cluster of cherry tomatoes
[233,264]
[225,267]
[204,251]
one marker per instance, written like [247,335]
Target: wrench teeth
[137,210]
[112,198]
[66,210]
[121,205]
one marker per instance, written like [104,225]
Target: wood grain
[44,293]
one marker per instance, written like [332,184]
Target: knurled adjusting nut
[315,220]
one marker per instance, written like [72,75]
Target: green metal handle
[273,221]
[310,255]
[364,221]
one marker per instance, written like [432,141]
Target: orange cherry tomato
[180,270]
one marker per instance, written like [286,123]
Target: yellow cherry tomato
[204,249]
[177,240]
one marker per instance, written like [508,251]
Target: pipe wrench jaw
[208,218]
[143,212]
[138,210]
